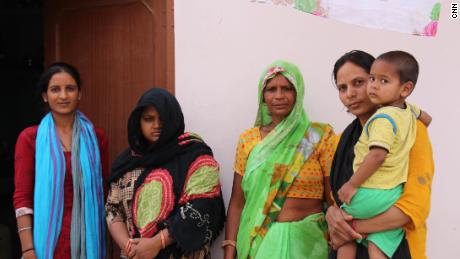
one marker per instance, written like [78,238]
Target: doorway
[120,47]
[21,63]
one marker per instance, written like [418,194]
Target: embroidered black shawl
[175,154]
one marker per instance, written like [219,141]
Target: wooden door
[120,47]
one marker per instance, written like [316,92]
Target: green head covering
[290,131]
[261,180]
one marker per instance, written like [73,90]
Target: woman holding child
[351,74]
[281,175]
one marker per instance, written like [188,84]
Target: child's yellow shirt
[393,129]
[416,198]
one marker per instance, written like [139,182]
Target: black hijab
[175,152]
[168,146]
[341,172]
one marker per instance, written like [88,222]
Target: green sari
[271,168]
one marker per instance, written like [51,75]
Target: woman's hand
[347,192]
[145,248]
[340,230]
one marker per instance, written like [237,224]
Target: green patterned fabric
[273,164]
[149,203]
[203,180]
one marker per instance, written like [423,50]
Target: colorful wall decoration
[418,17]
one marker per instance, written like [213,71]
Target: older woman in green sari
[281,170]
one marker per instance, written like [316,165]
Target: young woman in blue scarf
[59,169]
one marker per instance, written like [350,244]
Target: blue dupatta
[88,222]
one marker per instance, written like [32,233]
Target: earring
[45,101]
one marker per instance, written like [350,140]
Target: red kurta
[24,178]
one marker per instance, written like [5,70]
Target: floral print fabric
[417,17]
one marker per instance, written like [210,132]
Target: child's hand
[347,192]
[425,118]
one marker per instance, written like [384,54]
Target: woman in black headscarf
[165,199]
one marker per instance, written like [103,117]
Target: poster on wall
[417,17]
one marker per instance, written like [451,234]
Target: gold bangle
[228,243]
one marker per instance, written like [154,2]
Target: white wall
[222,47]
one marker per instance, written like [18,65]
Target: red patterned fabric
[167,202]
[24,178]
